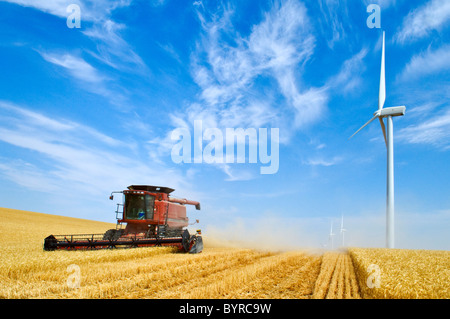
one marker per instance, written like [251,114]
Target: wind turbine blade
[373,118]
[382,92]
[383,128]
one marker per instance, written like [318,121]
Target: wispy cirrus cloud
[70,156]
[112,49]
[94,67]
[227,71]
[91,10]
[384,4]
[55,7]
[433,131]
[76,66]
[425,79]
[320,161]
[419,23]
[349,76]
[86,76]
[335,17]
[427,63]
[97,24]
[233,70]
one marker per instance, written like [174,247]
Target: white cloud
[434,131]
[233,174]
[227,70]
[72,157]
[349,77]
[421,110]
[309,105]
[333,20]
[90,10]
[227,66]
[54,7]
[434,15]
[426,63]
[76,66]
[425,83]
[319,161]
[283,38]
[27,175]
[86,76]
[112,49]
[384,4]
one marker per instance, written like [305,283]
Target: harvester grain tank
[152,218]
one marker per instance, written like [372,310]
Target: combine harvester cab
[152,218]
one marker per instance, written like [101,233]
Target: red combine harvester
[152,218]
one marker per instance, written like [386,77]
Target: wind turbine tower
[343,230]
[330,237]
[387,113]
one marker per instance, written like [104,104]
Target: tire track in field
[168,276]
[294,277]
[213,276]
[146,277]
[237,282]
[337,279]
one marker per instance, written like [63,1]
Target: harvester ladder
[119,215]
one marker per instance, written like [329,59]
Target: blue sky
[85,111]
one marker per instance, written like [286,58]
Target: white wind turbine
[330,237]
[343,230]
[387,113]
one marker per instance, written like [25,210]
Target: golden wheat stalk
[403,273]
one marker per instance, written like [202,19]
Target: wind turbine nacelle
[392,111]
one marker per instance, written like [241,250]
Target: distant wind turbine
[343,230]
[330,237]
[387,113]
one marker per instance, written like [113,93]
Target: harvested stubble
[29,272]
[337,278]
[26,271]
[403,273]
[286,275]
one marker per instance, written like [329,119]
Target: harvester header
[152,218]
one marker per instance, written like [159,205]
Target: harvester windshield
[139,206]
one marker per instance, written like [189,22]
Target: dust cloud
[274,234]
[297,233]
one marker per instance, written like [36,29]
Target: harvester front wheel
[196,244]
[192,243]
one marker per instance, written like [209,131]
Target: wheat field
[161,273]
[402,273]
